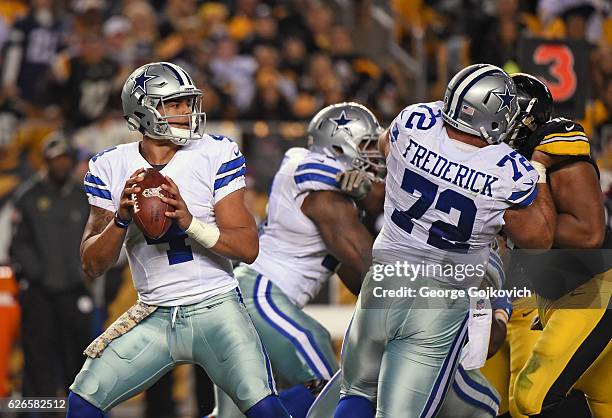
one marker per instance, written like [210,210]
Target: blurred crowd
[64,61]
[265,66]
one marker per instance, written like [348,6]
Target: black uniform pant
[55,329]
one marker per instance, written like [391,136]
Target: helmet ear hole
[494,126]
[133,124]
[337,149]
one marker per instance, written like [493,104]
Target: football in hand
[149,209]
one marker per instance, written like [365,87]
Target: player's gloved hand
[355,183]
[181,213]
[126,203]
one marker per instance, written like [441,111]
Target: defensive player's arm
[101,242]
[533,226]
[346,237]
[238,232]
[578,198]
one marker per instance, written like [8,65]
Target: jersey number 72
[442,235]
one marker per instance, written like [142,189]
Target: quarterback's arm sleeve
[96,185]
[229,176]
[312,175]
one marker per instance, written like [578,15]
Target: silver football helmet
[481,100]
[146,91]
[348,132]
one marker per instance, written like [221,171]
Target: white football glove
[355,183]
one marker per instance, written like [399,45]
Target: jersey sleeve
[229,175]
[97,184]
[520,179]
[315,173]
[502,304]
[564,137]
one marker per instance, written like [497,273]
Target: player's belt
[128,320]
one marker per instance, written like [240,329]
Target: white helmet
[148,88]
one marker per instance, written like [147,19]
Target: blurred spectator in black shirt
[294,59]
[269,102]
[89,84]
[265,31]
[31,48]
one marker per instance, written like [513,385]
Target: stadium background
[265,68]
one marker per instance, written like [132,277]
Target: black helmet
[535,103]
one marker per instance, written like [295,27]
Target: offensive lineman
[189,308]
[470,394]
[399,359]
[311,229]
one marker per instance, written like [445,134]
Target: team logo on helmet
[140,82]
[506,99]
[341,122]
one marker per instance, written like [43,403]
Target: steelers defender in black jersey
[572,286]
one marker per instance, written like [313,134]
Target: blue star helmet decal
[140,82]
[341,122]
[506,99]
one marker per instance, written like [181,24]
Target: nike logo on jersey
[460,175]
[528,313]
[476,315]
[569,127]
[236,153]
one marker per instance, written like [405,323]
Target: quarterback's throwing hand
[181,213]
[355,183]
[126,205]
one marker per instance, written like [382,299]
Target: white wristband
[205,234]
[501,315]
[541,169]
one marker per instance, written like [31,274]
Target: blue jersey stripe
[449,361]
[90,178]
[477,386]
[224,181]
[230,165]
[467,398]
[104,194]
[519,195]
[317,166]
[316,177]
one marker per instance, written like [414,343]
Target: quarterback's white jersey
[173,270]
[445,200]
[292,253]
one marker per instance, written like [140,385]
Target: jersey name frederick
[466,177]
